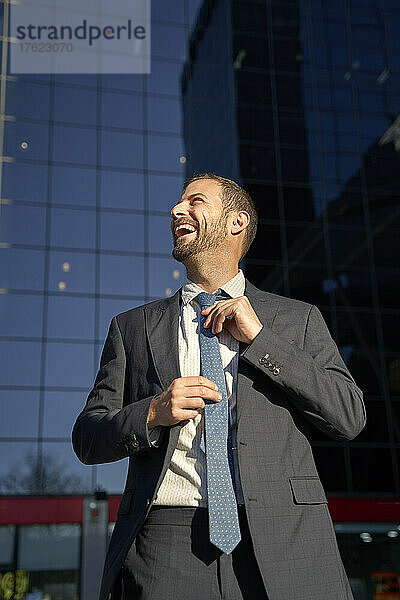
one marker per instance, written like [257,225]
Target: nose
[178,211]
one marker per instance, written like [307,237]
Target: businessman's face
[198,219]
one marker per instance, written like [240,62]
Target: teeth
[186,226]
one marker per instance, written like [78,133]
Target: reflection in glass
[14,404]
[49,547]
[121,275]
[22,224]
[7,538]
[73,228]
[68,365]
[74,145]
[73,186]
[122,231]
[70,318]
[15,320]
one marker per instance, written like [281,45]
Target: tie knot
[205,299]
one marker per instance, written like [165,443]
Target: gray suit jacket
[290,378]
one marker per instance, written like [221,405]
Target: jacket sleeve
[316,377]
[106,430]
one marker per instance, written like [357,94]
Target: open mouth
[185,230]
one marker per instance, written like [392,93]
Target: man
[212,398]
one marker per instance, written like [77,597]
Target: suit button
[135,441]
[271,366]
[276,371]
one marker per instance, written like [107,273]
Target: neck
[210,274]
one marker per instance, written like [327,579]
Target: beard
[201,242]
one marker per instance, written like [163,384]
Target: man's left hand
[236,315]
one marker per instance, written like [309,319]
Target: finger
[211,308]
[194,403]
[203,392]
[190,414]
[217,309]
[198,380]
[217,318]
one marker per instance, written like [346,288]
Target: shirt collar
[234,287]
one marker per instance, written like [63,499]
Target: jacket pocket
[125,504]
[307,490]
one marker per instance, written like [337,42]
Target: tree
[41,474]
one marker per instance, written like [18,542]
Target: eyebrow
[192,196]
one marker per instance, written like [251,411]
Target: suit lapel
[162,321]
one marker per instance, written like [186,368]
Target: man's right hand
[183,399]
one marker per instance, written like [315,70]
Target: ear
[239,222]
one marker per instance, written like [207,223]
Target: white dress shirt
[185,481]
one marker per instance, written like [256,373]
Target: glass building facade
[90,168]
[315,95]
[298,100]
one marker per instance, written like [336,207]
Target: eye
[197,198]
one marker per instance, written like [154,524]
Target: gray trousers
[173,559]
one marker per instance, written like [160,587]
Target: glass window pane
[388,281]
[173,11]
[60,412]
[34,135]
[372,469]
[165,78]
[164,192]
[23,224]
[82,80]
[72,271]
[111,477]
[164,114]
[21,269]
[20,410]
[21,315]
[123,81]
[164,154]
[74,145]
[391,331]
[122,149]
[70,317]
[166,276]
[122,110]
[122,231]
[168,41]
[73,228]
[73,186]
[16,354]
[122,190]
[7,538]
[121,275]
[24,182]
[16,467]
[69,475]
[161,236]
[27,99]
[49,547]
[69,365]
[75,105]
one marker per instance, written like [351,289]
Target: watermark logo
[89,36]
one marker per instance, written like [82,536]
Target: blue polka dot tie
[222,506]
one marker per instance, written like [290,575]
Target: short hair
[234,198]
